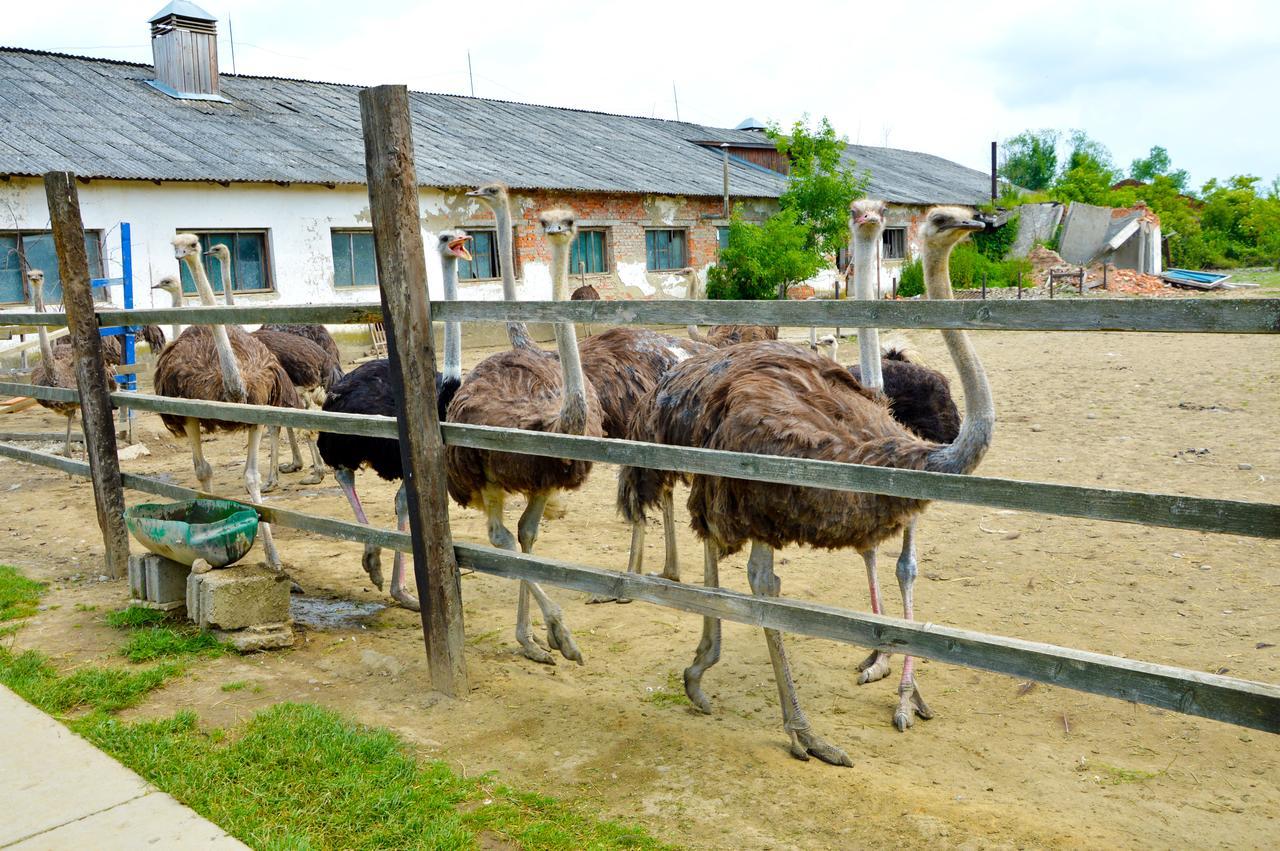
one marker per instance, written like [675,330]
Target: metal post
[91,370]
[1105,287]
[994,193]
[1081,280]
[1050,283]
[1019,285]
[402,277]
[984,286]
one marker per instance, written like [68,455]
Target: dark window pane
[93,249]
[484,257]
[587,254]
[364,259]
[722,236]
[664,250]
[342,270]
[11,289]
[250,263]
[894,244]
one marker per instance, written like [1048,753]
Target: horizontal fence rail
[1234,701]
[1229,316]
[1202,514]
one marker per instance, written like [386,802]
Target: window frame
[268,270]
[684,249]
[495,255]
[886,244]
[349,233]
[606,259]
[96,269]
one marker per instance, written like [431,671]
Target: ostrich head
[35,277]
[866,215]
[453,243]
[494,194]
[945,227]
[186,245]
[557,224]
[171,285]
[221,252]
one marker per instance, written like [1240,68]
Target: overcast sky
[943,77]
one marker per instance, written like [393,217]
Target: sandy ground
[1003,765]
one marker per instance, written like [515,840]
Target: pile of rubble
[1128,281]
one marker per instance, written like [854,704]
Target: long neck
[691,293]
[46,349]
[573,404]
[226,282]
[865,245]
[518,332]
[963,454]
[452,330]
[176,295]
[232,382]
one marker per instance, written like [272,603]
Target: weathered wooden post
[1019,285]
[406,307]
[91,371]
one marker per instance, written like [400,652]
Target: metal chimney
[184,43]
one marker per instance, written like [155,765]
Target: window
[354,264]
[36,248]
[664,250]
[895,244]
[250,269]
[722,237]
[484,257]
[587,256]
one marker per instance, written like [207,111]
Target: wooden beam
[1200,514]
[91,371]
[39,436]
[402,280]
[1234,701]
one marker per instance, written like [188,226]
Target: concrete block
[251,639]
[156,579]
[237,597]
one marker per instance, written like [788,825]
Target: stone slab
[251,639]
[237,597]
[154,820]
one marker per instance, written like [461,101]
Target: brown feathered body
[311,369]
[112,350]
[586,292]
[919,397]
[623,364]
[188,368]
[60,371]
[521,388]
[773,398]
[317,334]
[729,335]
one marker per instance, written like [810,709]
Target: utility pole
[676,98]
[232,35]
[471,76]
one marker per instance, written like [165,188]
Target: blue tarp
[1206,279]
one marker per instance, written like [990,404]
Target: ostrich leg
[372,559]
[296,464]
[708,652]
[558,635]
[910,701]
[876,666]
[66,450]
[251,484]
[203,471]
[318,469]
[804,742]
[397,568]
[273,442]
[635,564]
[671,564]
[500,536]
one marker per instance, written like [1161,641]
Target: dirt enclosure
[1004,764]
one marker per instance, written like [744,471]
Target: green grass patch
[150,638]
[301,776]
[31,675]
[19,595]
[236,685]
[134,617]
[670,694]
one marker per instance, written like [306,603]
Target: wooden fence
[435,556]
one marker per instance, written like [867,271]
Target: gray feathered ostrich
[367,390]
[530,389]
[57,367]
[221,363]
[497,198]
[771,398]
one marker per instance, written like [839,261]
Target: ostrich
[171,285]
[526,388]
[223,256]
[221,363]
[367,390]
[721,336]
[57,364]
[497,198]
[586,292]
[112,348]
[774,399]
[312,371]
[317,334]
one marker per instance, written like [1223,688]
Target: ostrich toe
[806,743]
[315,477]
[406,599]
[559,638]
[372,562]
[693,691]
[910,704]
[533,649]
[607,598]
[874,667]
[290,467]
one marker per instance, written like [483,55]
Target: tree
[1030,159]
[822,185]
[759,261]
[1088,172]
[1157,164]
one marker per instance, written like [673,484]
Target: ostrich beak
[475,193]
[459,247]
[556,228]
[967,225]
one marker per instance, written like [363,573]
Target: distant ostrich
[774,399]
[527,388]
[223,256]
[221,363]
[727,335]
[367,390]
[112,346]
[497,198]
[316,333]
[57,365]
[312,371]
[586,292]
[171,285]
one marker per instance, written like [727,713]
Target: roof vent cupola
[184,43]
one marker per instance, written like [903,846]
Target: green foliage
[760,260]
[235,685]
[670,694]
[911,282]
[134,617]
[19,595]
[1030,159]
[969,266]
[104,689]
[995,244]
[1157,164]
[149,640]
[821,187]
[300,776]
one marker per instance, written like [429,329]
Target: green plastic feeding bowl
[217,530]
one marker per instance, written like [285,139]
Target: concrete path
[57,791]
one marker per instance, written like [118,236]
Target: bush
[760,260]
[912,281]
[969,266]
[995,244]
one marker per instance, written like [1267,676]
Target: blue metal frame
[128,333]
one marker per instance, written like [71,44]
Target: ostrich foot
[910,704]
[693,691]
[559,638]
[272,483]
[533,649]
[806,743]
[290,467]
[607,598]
[874,667]
[315,477]
[406,599]
[372,562]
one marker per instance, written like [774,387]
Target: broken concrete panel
[237,597]
[1084,231]
[1125,238]
[1036,223]
[267,636]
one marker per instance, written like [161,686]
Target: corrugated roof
[100,119]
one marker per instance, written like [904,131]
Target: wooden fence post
[91,372]
[402,274]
